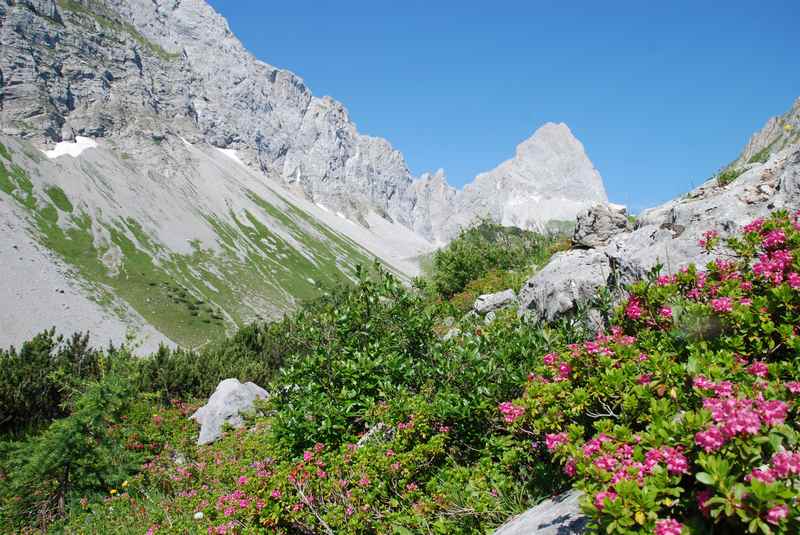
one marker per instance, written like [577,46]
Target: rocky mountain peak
[141,70]
[777,133]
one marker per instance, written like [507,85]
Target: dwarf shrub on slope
[484,247]
[40,376]
[684,417]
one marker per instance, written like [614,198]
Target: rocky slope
[669,234]
[132,68]
[775,135]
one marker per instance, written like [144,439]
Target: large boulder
[559,515]
[226,404]
[571,279]
[595,226]
[490,302]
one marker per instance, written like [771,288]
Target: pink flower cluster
[633,309]
[722,305]
[774,239]
[617,460]
[229,504]
[754,226]
[222,529]
[666,280]
[510,411]
[773,265]
[562,369]
[709,239]
[668,526]
[554,440]
[738,417]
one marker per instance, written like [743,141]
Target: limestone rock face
[550,178]
[229,400]
[143,70]
[490,302]
[559,515]
[595,226]
[774,136]
[569,280]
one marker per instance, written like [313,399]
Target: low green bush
[485,247]
[41,376]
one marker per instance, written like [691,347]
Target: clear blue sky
[660,93]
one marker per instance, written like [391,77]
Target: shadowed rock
[559,515]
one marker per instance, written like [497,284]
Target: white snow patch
[71,149]
[230,153]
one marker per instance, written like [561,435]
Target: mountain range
[156,177]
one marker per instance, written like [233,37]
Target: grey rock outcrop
[667,235]
[570,280]
[559,515]
[778,133]
[490,302]
[550,178]
[595,226]
[225,406]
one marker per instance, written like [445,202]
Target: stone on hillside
[559,515]
[229,400]
[595,226]
[490,302]
[569,280]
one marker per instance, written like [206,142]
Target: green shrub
[484,247]
[39,379]
[761,156]
[728,175]
[74,457]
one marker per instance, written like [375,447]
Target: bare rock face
[559,515]
[229,400]
[595,226]
[142,70]
[550,178]
[778,133]
[570,279]
[490,302]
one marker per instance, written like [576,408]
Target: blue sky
[661,94]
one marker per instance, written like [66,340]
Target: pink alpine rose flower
[668,526]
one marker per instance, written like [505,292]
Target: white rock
[490,302]
[559,515]
[229,400]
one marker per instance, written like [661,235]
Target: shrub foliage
[679,417]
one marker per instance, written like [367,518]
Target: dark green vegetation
[761,156]
[728,175]
[360,357]
[376,425]
[488,247]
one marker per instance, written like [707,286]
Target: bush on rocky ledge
[683,417]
